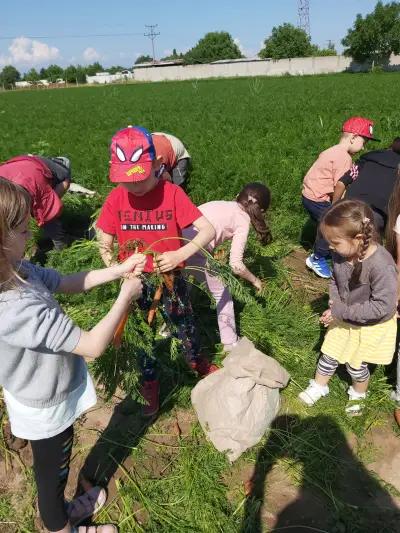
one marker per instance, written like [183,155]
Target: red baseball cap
[360,126]
[132,155]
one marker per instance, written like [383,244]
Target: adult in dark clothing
[371,179]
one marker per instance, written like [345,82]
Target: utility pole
[152,35]
[304,15]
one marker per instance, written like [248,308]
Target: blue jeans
[317,211]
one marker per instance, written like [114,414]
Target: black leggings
[51,459]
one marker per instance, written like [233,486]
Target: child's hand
[133,266]
[168,261]
[258,285]
[131,289]
[326,318]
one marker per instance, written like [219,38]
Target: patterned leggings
[51,459]
[177,312]
[327,367]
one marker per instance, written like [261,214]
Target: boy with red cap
[319,182]
[153,211]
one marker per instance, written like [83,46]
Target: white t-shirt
[397,225]
[34,423]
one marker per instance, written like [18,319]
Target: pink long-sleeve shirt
[230,222]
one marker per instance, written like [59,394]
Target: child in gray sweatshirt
[361,318]
[43,372]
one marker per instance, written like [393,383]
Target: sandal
[105,528]
[88,504]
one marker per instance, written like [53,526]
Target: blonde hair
[352,218]
[15,205]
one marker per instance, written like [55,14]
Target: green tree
[54,72]
[116,68]
[8,76]
[376,36]
[212,47]
[75,74]
[330,50]
[287,41]
[173,56]
[91,70]
[32,75]
[143,59]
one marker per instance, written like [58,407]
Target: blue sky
[35,28]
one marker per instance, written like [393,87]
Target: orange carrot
[154,304]
[169,278]
[117,340]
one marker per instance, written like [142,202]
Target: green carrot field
[316,470]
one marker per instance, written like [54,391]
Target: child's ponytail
[255,198]
[15,205]
[367,232]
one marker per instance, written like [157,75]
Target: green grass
[271,130]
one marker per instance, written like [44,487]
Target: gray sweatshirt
[36,339]
[374,299]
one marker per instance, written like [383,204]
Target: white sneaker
[395,396]
[356,402]
[313,392]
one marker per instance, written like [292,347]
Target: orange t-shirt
[164,148]
[320,180]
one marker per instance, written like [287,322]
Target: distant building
[23,84]
[103,78]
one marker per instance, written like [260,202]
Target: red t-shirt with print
[162,212]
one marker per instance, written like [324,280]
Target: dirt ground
[371,487]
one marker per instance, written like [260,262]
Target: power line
[152,35]
[304,15]
[70,36]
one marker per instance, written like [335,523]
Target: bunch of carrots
[167,281]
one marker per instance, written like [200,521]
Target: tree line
[372,38]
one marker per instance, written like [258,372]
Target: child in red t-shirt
[151,210]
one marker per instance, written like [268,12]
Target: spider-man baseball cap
[360,126]
[132,155]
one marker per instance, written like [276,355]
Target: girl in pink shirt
[231,221]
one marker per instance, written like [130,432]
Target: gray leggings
[327,367]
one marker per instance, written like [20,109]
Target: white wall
[296,66]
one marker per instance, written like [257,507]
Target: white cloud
[30,52]
[91,54]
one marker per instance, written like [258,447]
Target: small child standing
[319,183]
[231,221]
[147,209]
[44,375]
[361,318]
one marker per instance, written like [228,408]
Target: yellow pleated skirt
[356,344]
